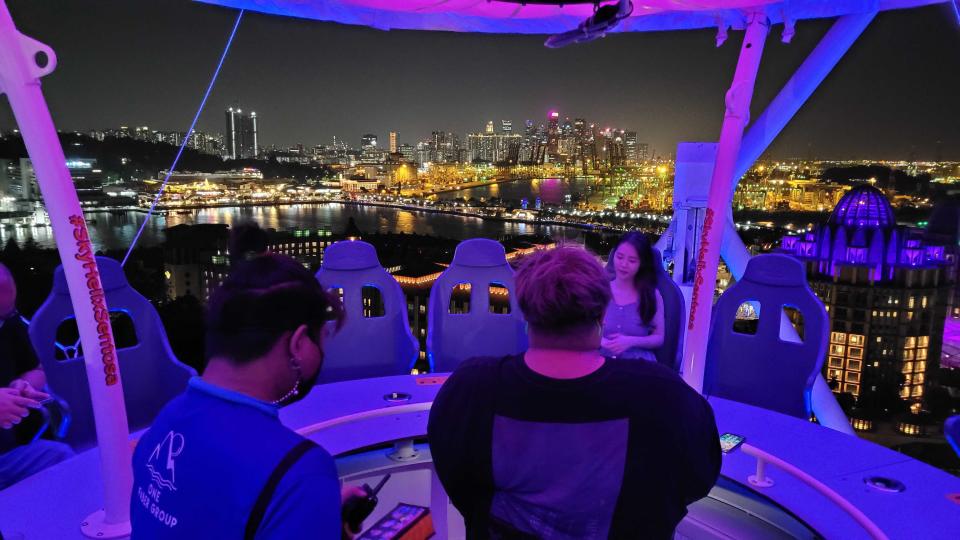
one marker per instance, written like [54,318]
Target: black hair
[645,281]
[263,298]
[247,240]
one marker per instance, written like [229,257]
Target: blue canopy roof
[544,17]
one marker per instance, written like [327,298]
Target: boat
[792,478]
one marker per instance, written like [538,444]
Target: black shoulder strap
[266,494]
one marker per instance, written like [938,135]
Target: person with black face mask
[217,462]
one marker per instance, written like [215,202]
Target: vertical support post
[735,120]
[20,74]
[760,479]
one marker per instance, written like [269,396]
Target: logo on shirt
[161,462]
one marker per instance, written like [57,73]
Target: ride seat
[764,366]
[454,337]
[375,340]
[149,371]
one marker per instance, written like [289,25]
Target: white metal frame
[20,72]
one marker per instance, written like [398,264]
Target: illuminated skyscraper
[241,138]
[886,289]
[393,142]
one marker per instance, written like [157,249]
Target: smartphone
[730,442]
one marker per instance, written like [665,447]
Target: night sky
[134,63]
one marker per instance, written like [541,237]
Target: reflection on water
[116,230]
[550,190]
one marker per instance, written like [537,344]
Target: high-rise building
[370,153]
[506,127]
[553,135]
[630,147]
[886,288]
[241,139]
[393,142]
[643,152]
[493,147]
[408,152]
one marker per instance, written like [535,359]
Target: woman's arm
[655,338]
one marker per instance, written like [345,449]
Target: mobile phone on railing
[730,442]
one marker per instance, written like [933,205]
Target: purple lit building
[887,289]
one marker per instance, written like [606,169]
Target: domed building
[886,288]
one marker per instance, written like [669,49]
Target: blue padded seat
[150,373]
[374,346]
[674,317]
[453,338]
[764,369]
[951,430]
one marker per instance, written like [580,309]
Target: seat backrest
[674,317]
[951,430]
[150,373]
[453,338]
[368,344]
[768,368]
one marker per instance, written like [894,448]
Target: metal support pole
[735,120]
[20,71]
[808,77]
[821,61]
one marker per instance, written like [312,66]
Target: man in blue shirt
[217,462]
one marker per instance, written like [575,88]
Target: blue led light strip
[186,139]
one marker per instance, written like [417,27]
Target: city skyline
[315,81]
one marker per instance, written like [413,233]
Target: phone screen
[729,442]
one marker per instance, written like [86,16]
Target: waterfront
[115,230]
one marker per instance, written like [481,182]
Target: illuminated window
[855,352]
[856,339]
[905,392]
[921,354]
[837,349]
[907,367]
[878,339]
[918,378]
[923,341]
[910,343]
[838,337]
[852,388]
[833,373]
[909,354]
[909,315]
[875,314]
[910,303]
[836,362]
[919,367]
[852,377]
[917,391]
[854,365]
[907,379]
[923,302]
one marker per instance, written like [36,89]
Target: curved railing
[760,480]
[365,415]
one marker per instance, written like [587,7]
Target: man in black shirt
[561,442]
[21,377]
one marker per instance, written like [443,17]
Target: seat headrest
[657,260]
[350,255]
[479,253]
[775,270]
[111,276]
